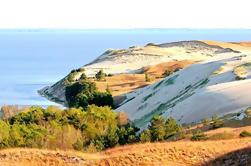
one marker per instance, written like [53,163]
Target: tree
[83,76]
[101,99]
[145,136]
[100,75]
[127,134]
[166,73]
[78,93]
[147,79]
[171,127]
[157,128]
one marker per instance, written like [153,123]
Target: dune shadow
[241,157]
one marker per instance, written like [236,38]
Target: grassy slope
[124,83]
[169,153]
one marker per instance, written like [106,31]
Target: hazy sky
[125,14]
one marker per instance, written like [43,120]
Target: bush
[147,79]
[205,122]
[127,134]
[171,127]
[84,93]
[216,122]
[198,135]
[245,134]
[109,75]
[71,77]
[166,73]
[101,99]
[100,75]
[83,77]
[145,136]
[157,128]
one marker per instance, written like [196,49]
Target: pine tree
[100,75]
[157,128]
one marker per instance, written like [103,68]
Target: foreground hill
[231,152]
[137,60]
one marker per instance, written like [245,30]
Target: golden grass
[166,153]
[124,83]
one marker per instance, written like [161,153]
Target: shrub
[71,77]
[127,134]
[171,127]
[109,75]
[80,70]
[157,128]
[205,122]
[166,73]
[145,136]
[198,135]
[245,134]
[216,122]
[100,75]
[101,99]
[83,77]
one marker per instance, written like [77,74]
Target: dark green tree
[171,127]
[157,128]
[100,75]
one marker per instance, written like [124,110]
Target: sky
[101,14]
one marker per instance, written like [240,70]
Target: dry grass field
[124,83]
[229,152]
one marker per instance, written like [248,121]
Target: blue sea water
[32,59]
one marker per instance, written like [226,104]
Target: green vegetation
[84,92]
[160,129]
[145,136]
[205,121]
[242,71]
[198,135]
[91,129]
[216,122]
[167,73]
[245,134]
[147,78]
[100,75]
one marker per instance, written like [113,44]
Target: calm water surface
[32,59]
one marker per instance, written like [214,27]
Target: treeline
[90,129]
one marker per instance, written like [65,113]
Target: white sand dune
[199,91]
[217,84]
